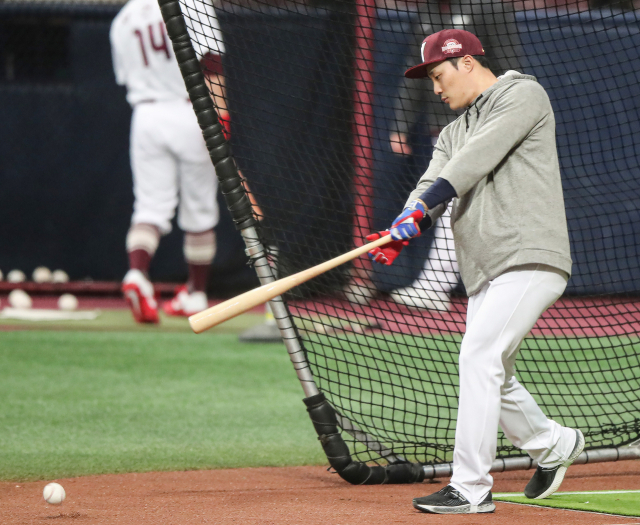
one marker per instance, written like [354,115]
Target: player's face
[451,85]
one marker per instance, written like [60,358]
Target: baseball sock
[142,243]
[199,251]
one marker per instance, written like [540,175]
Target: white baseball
[68,302]
[16,276]
[59,276]
[41,274]
[20,299]
[54,493]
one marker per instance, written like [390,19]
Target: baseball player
[491,20]
[499,165]
[170,163]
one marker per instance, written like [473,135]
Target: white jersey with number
[169,159]
[143,57]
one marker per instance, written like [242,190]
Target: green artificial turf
[623,503]
[85,397]
[76,403]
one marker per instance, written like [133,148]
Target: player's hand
[405,226]
[385,254]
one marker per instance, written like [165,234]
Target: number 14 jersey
[143,58]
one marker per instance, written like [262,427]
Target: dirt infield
[308,495]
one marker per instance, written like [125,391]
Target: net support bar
[255,251]
[526,463]
[399,470]
[231,186]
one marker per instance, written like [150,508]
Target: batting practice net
[330,139]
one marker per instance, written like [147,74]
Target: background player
[499,164]
[170,163]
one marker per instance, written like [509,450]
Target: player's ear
[467,63]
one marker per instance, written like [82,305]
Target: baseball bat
[231,308]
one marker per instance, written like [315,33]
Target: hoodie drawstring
[466,113]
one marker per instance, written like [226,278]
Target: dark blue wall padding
[586,62]
[66,197]
[290,88]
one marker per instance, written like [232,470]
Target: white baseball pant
[171,165]
[498,319]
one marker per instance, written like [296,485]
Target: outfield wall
[64,166]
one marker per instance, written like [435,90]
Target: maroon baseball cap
[448,43]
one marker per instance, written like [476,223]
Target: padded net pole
[324,417]
[256,252]
[231,186]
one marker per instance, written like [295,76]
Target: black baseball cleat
[450,501]
[546,481]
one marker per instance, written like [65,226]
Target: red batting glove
[385,254]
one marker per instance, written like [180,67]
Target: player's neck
[483,80]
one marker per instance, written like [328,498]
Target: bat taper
[233,307]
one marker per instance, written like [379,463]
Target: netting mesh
[331,139]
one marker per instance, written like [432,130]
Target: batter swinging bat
[229,309]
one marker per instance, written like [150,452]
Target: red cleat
[185,304]
[139,294]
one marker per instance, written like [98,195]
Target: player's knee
[158,217]
[469,359]
[200,248]
[479,348]
[476,344]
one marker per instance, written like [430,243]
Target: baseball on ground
[54,493]
[16,276]
[41,274]
[67,302]
[20,299]
[59,276]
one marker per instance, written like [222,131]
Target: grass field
[90,397]
[78,401]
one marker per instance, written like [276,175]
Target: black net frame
[320,122]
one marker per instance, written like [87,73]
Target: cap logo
[451,46]
[422,50]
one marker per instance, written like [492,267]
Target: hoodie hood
[504,81]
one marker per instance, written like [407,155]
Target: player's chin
[453,105]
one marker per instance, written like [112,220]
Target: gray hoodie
[500,156]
